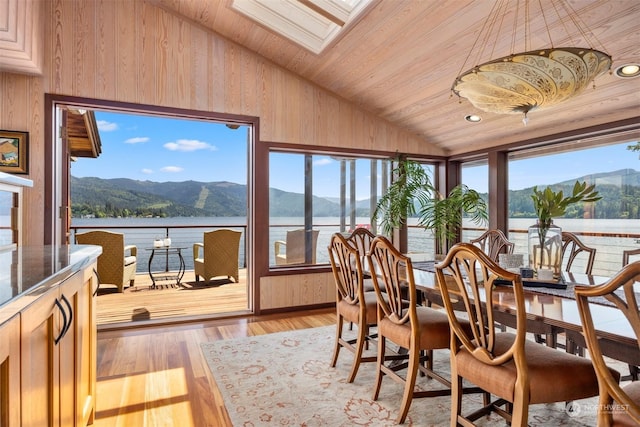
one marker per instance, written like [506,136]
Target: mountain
[620,191]
[127,197]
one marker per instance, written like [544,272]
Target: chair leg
[336,347]
[197,278]
[362,337]
[410,383]
[633,372]
[382,342]
[456,398]
[520,414]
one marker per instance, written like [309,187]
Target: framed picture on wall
[14,151]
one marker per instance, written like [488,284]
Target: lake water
[624,234]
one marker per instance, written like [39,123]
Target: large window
[610,225]
[312,196]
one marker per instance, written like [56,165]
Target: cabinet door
[69,297]
[10,372]
[79,345]
[40,326]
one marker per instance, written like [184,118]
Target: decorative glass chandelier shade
[535,79]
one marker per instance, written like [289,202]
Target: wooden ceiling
[401,57]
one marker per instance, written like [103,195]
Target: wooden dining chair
[417,329]
[626,255]
[518,371]
[493,242]
[361,239]
[619,291]
[572,246]
[353,304]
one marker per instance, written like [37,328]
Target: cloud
[189,145]
[106,126]
[322,162]
[147,171]
[172,169]
[137,140]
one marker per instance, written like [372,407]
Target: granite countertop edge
[74,259]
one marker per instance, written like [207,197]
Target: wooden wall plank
[105,66]
[133,51]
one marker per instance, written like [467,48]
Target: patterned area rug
[284,379]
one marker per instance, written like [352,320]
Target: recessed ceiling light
[473,118]
[628,70]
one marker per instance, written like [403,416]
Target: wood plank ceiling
[400,58]
[81,131]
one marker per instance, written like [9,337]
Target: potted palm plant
[444,215]
[411,183]
[545,238]
[412,193]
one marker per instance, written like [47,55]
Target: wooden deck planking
[140,303]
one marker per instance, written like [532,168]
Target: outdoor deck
[140,303]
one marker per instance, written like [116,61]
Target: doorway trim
[57,159]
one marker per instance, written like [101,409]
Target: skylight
[313,24]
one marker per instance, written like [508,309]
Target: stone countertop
[29,271]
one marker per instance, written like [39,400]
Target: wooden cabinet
[10,372]
[58,343]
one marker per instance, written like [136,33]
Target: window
[475,175]
[312,196]
[610,225]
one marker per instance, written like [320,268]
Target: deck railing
[182,236]
[609,245]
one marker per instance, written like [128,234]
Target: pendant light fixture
[534,78]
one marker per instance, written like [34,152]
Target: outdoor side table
[166,275]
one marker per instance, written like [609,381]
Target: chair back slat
[347,269]
[467,274]
[572,247]
[493,243]
[393,271]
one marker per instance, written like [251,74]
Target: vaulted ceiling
[399,58]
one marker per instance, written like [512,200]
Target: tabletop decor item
[545,238]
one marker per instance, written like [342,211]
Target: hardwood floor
[142,304]
[156,376]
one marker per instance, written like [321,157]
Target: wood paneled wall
[133,51]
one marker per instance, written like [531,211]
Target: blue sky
[162,149]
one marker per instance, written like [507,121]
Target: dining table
[551,311]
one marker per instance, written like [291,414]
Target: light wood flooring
[157,376]
[140,304]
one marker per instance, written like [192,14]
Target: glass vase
[545,247]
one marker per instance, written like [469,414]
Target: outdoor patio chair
[293,250]
[117,264]
[218,255]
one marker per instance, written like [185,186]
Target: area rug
[284,379]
